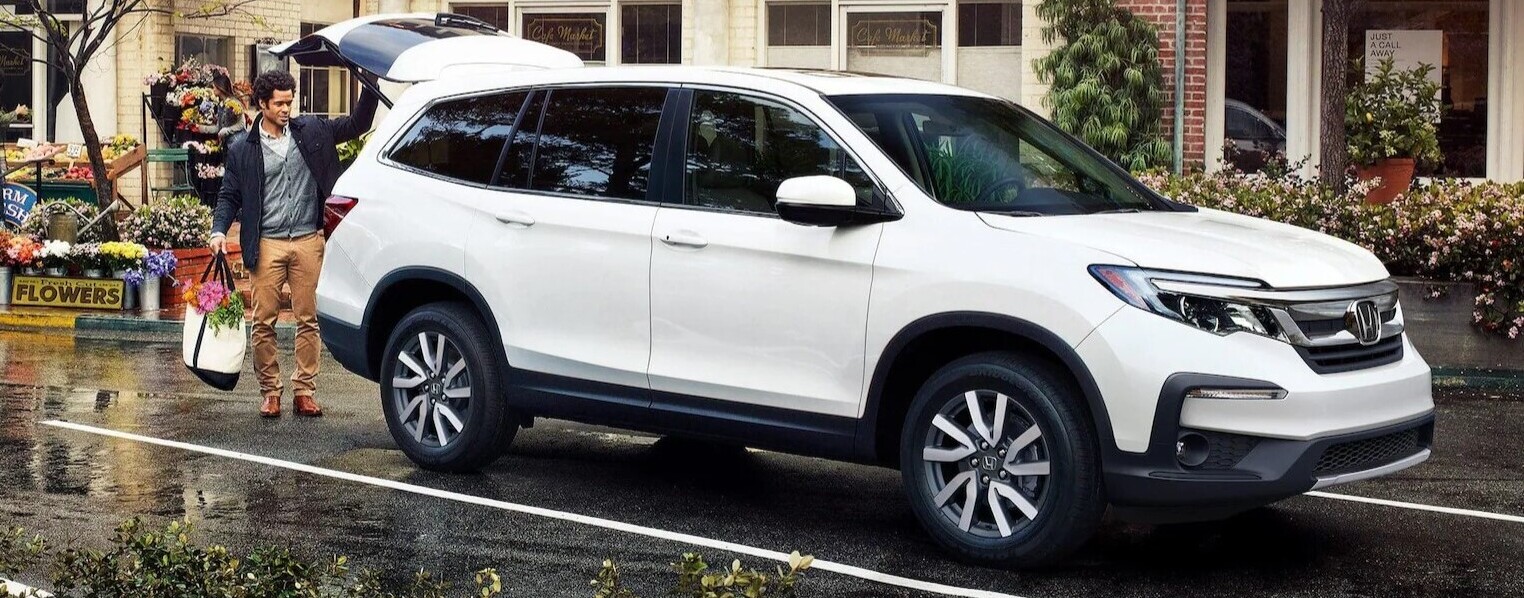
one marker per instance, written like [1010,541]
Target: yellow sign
[88,293]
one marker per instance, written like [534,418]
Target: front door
[745,307]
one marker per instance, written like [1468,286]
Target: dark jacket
[243,181]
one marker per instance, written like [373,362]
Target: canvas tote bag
[214,356]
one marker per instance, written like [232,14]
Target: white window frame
[610,11]
[949,10]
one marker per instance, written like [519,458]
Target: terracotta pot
[190,265]
[1396,177]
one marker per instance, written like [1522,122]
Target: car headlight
[1135,286]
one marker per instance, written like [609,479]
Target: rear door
[562,247]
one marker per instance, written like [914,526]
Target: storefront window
[799,35]
[989,42]
[495,15]
[904,44]
[582,34]
[205,49]
[1452,36]
[1254,114]
[15,76]
[651,34]
[989,24]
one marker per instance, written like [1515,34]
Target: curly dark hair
[266,84]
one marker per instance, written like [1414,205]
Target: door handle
[684,239]
[515,218]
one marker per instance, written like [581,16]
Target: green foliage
[144,562]
[1451,230]
[1393,114]
[1107,85]
[349,150]
[696,580]
[964,168]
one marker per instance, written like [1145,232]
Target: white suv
[863,268]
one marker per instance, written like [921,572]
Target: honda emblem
[1363,320]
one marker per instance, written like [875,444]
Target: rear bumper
[346,343]
[1243,472]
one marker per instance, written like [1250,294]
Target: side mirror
[825,201]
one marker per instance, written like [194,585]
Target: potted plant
[157,266]
[56,257]
[159,85]
[41,221]
[89,259]
[181,224]
[1391,122]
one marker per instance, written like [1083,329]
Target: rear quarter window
[461,139]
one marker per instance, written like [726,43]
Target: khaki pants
[295,262]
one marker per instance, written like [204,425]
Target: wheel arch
[927,344]
[405,289]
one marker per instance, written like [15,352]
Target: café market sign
[87,293]
[579,34]
[17,201]
[895,32]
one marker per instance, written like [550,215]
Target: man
[277,177]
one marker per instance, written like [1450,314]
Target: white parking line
[858,572]
[1419,507]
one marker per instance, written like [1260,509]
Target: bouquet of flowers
[123,256]
[161,264]
[222,307]
[88,256]
[209,171]
[181,222]
[210,147]
[55,254]
[20,251]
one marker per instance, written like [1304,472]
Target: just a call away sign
[87,293]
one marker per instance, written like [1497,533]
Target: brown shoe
[271,408]
[305,406]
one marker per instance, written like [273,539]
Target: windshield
[985,154]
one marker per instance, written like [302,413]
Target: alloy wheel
[431,390]
[986,462]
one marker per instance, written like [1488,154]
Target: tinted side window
[598,141]
[740,149]
[461,139]
[515,173]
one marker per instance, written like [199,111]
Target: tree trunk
[1335,149]
[104,196]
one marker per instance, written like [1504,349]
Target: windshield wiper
[1019,213]
[1119,211]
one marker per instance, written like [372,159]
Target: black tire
[1067,501]
[489,425]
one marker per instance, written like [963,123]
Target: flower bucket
[94,273]
[1396,177]
[56,272]
[5,285]
[149,294]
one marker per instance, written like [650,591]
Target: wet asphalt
[75,487]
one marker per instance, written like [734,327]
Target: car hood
[1211,242]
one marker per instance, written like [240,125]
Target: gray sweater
[291,195]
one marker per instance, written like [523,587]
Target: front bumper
[1245,471]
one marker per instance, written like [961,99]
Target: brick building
[1251,76]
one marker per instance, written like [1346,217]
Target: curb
[103,326]
[1478,378]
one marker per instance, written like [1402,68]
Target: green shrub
[1449,230]
[180,222]
[165,563]
[1107,86]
